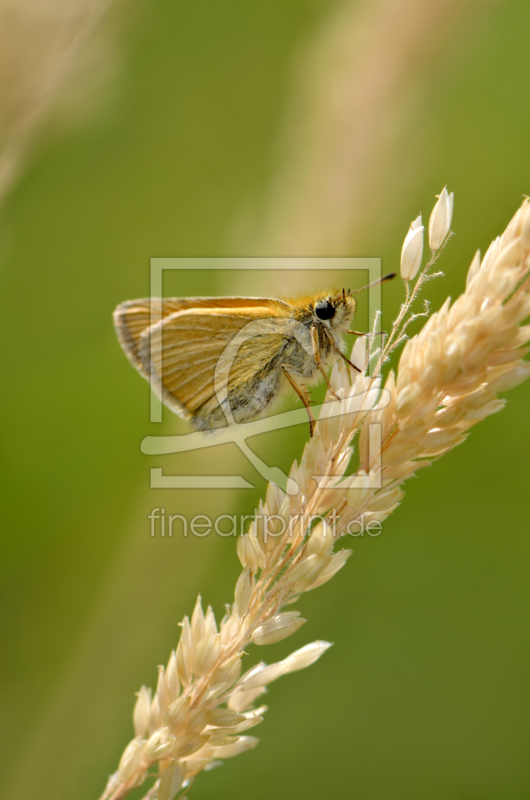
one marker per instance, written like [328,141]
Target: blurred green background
[425,692]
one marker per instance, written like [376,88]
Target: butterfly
[221,360]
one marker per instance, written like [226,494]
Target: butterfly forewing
[182,351]
[134,317]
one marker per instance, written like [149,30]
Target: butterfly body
[215,361]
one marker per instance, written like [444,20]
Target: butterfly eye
[324,310]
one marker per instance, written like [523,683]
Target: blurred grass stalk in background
[357,87]
[47,50]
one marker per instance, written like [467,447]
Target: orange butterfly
[218,360]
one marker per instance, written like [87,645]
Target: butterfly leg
[316,353]
[360,333]
[303,395]
[341,354]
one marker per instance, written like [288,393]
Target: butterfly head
[335,311]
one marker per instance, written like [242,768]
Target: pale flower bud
[172,678]
[279,627]
[306,656]
[337,562]
[188,744]
[261,675]
[440,221]
[225,718]
[176,714]
[131,758]
[243,592]
[198,720]
[304,568]
[197,622]
[210,623]
[246,553]
[158,745]
[240,701]
[249,722]
[170,782]
[221,736]
[155,718]
[141,711]
[525,227]
[185,653]
[239,746]
[307,570]
[228,673]
[161,691]
[321,540]
[473,268]
[412,250]
[183,670]
[208,651]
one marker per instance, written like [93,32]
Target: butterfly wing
[134,317]
[198,359]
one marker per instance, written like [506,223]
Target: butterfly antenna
[374,283]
